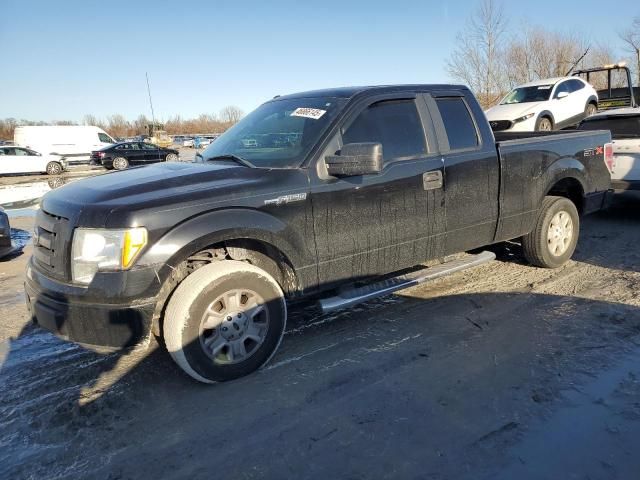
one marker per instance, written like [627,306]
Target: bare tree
[631,38]
[476,60]
[231,114]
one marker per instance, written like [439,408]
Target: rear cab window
[623,126]
[395,124]
[458,123]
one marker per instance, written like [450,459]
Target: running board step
[355,295]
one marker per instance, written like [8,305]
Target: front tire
[590,109]
[554,238]
[120,163]
[54,168]
[544,124]
[225,321]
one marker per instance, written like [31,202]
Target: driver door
[370,225]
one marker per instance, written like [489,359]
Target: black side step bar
[355,295]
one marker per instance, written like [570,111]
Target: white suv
[544,105]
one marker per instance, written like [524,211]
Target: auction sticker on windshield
[314,113]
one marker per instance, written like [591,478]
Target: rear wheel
[555,236]
[224,321]
[544,124]
[54,168]
[120,163]
[172,157]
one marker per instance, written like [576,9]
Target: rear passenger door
[375,224]
[471,170]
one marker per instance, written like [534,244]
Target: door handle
[432,180]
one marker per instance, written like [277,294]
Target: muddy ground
[503,372]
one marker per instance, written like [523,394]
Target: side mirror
[355,159]
[562,95]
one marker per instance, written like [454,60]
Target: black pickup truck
[321,195]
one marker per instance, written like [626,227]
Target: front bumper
[75,314]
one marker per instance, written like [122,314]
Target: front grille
[51,243]
[499,125]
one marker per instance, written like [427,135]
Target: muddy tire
[555,236]
[224,321]
[544,124]
[54,168]
[120,163]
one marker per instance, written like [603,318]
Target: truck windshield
[538,93]
[278,134]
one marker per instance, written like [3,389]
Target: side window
[124,146]
[575,85]
[104,138]
[562,87]
[148,146]
[2,152]
[458,123]
[21,152]
[395,124]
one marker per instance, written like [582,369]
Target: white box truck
[74,142]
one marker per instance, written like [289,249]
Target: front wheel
[54,168]
[224,321]
[590,109]
[555,236]
[544,124]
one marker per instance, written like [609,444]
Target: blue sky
[64,59]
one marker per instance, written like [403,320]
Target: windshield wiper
[235,158]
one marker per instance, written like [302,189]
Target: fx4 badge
[295,197]
[590,152]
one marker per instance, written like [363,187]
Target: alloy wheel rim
[234,326]
[559,233]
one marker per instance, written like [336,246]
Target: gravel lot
[503,372]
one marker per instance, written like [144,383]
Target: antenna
[153,117]
[575,64]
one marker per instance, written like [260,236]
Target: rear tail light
[609,159]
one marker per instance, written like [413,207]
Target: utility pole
[153,116]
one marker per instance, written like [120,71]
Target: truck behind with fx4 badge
[323,195]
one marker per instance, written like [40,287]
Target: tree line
[118,126]
[492,57]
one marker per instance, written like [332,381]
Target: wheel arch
[548,114]
[569,185]
[244,234]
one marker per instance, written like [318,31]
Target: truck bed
[531,160]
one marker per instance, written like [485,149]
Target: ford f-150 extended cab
[322,195]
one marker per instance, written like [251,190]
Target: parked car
[73,142]
[624,124]
[207,255]
[188,142]
[544,105]
[201,142]
[16,160]
[121,155]
[6,246]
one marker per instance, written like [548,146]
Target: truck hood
[146,195]
[513,110]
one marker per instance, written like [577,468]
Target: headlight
[102,249]
[524,117]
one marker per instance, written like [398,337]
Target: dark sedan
[121,155]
